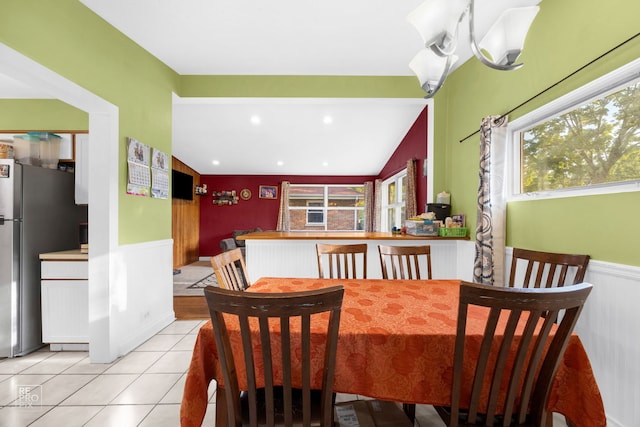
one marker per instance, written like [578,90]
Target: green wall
[41,114]
[565,36]
[69,39]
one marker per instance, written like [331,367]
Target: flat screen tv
[181,185]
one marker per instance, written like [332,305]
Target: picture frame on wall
[268,192]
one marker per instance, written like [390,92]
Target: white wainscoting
[142,299]
[297,258]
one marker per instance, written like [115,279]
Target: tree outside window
[596,143]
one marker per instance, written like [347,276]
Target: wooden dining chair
[404,262]
[280,326]
[547,269]
[341,261]
[231,270]
[504,365]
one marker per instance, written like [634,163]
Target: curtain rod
[557,83]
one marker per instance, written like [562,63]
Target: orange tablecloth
[396,343]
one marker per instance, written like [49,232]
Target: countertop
[337,235]
[70,255]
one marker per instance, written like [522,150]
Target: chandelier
[437,22]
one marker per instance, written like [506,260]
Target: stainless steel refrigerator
[38,214]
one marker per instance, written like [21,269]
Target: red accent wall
[218,222]
[413,146]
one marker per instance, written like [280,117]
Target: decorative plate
[245,194]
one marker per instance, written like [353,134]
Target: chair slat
[404,262]
[551,269]
[341,260]
[230,270]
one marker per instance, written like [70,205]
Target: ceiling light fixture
[215,162]
[255,120]
[438,21]
[327,120]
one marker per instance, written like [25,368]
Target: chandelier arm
[478,52]
[442,50]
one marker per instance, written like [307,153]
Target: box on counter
[421,228]
[370,413]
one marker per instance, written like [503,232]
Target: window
[587,142]
[326,207]
[315,216]
[394,197]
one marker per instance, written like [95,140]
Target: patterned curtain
[284,224]
[411,208]
[369,206]
[491,222]
[377,213]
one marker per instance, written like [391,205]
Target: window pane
[596,143]
[346,196]
[303,195]
[342,219]
[391,192]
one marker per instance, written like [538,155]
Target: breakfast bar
[293,254]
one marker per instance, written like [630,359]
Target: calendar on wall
[139,171]
[159,174]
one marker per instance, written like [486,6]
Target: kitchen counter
[70,255]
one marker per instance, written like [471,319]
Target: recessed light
[216,162]
[327,119]
[280,163]
[255,120]
[325,163]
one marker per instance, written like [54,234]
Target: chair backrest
[341,261]
[547,269]
[231,270]
[279,324]
[404,262]
[511,356]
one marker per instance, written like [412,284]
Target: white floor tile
[101,390]
[162,416]
[5,377]
[60,387]
[85,366]
[147,389]
[174,395]
[120,416]
[19,364]
[176,362]
[135,362]
[67,416]
[186,343]
[162,342]
[15,416]
[210,415]
[11,388]
[57,363]
[181,327]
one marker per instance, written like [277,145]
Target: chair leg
[221,407]
[410,410]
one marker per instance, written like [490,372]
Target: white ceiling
[282,37]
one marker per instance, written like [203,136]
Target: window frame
[603,86]
[320,208]
[385,205]
[325,208]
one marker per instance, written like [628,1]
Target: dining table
[396,343]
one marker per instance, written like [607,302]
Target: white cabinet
[65,304]
[81,171]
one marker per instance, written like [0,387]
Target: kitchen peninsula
[293,254]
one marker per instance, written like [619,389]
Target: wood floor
[190,307]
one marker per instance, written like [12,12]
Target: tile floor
[143,388]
